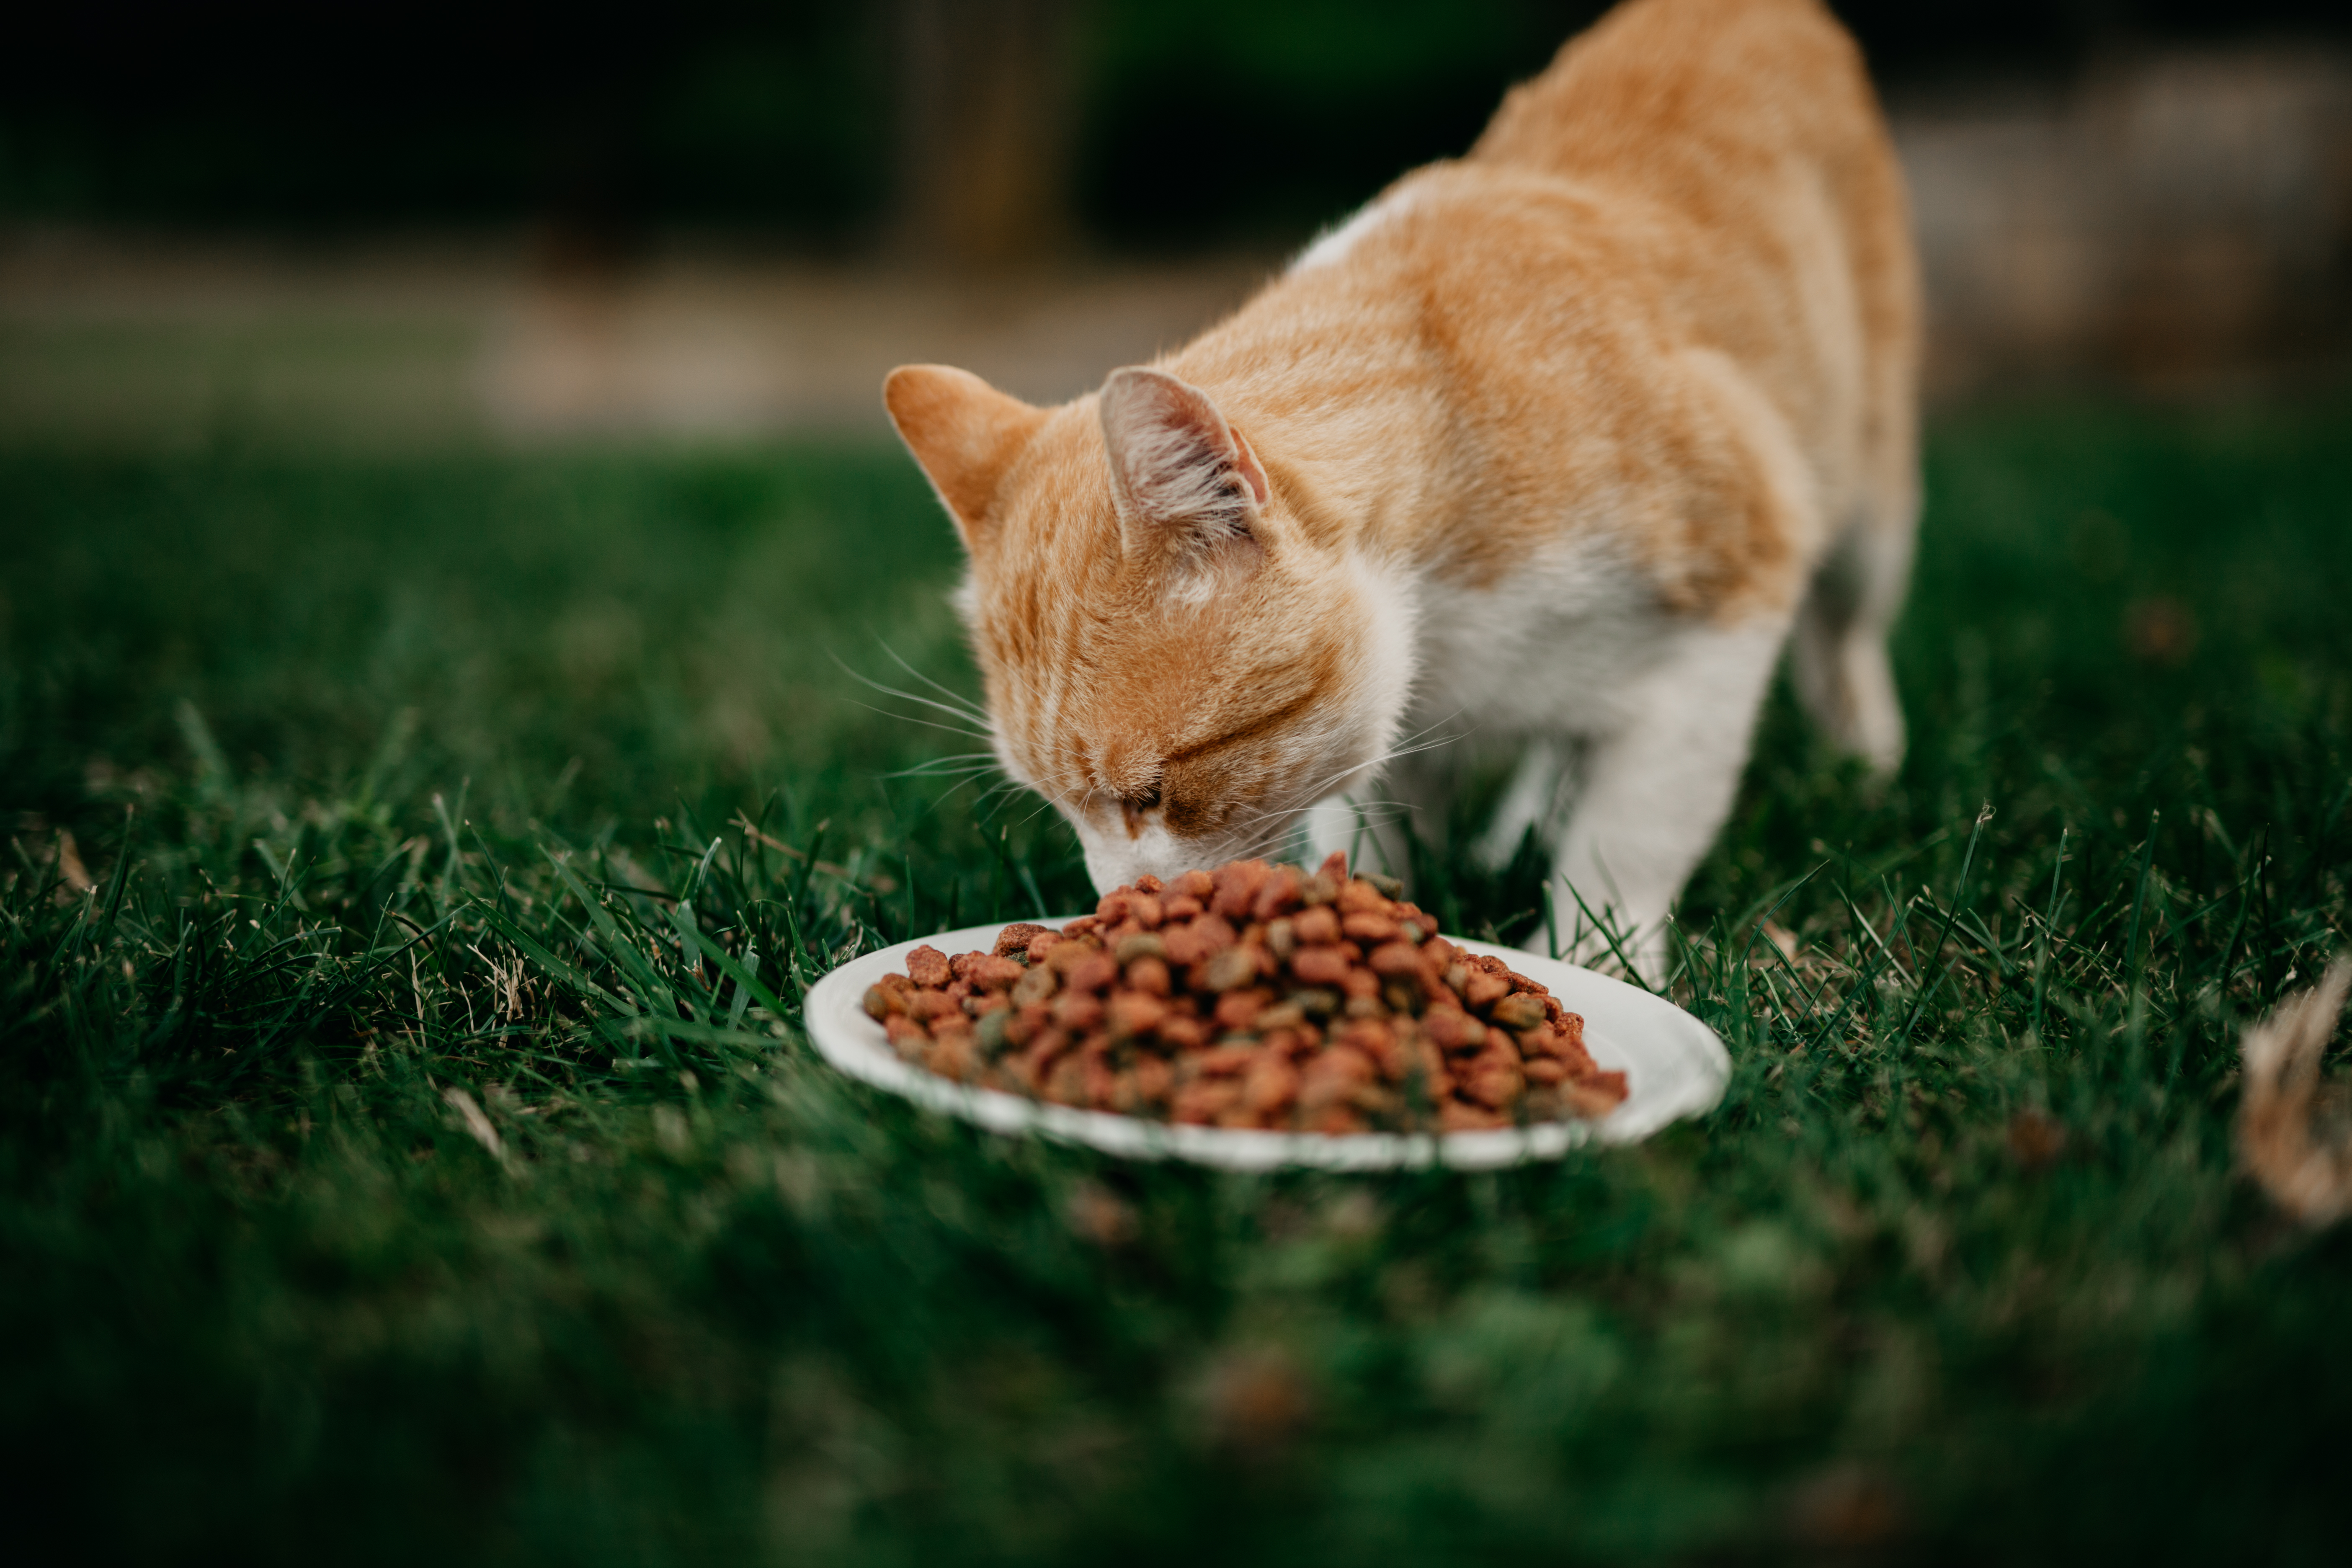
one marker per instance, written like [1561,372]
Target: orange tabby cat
[1554,445]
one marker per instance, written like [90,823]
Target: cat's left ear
[1181,474]
[964,432]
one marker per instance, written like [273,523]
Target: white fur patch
[1332,246]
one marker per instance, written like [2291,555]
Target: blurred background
[431,222]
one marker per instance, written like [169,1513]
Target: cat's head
[1177,651]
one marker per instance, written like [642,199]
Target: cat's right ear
[1181,472]
[963,433]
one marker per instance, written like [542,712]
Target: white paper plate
[1674,1067]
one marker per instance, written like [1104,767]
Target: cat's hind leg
[1376,826]
[1656,787]
[1838,655]
[1528,801]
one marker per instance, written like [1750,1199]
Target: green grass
[397,778]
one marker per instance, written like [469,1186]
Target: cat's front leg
[1657,784]
[1377,825]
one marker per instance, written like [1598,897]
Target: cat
[1554,446]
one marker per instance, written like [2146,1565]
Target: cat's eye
[1146,799]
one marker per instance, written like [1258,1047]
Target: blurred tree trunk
[985,94]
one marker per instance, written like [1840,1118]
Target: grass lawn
[350,801]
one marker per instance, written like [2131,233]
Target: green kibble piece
[1523,1010]
[1143,945]
[1233,966]
[990,1036]
[1314,1001]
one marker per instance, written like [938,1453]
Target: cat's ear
[1181,474]
[964,432]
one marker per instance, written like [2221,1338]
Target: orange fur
[1554,440]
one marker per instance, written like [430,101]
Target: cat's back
[1751,127]
[1690,101]
[1676,263]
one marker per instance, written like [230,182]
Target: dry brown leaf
[476,1123]
[2306,1173]
[69,865]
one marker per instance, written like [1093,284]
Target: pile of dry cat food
[1253,995]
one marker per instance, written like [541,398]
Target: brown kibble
[1193,943]
[1199,1101]
[1181,1032]
[1152,1079]
[1316,926]
[1023,1025]
[1103,1086]
[1452,1029]
[1232,1057]
[1156,1005]
[1492,1081]
[985,971]
[1016,938]
[1336,1075]
[1135,1013]
[1482,990]
[1236,886]
[1377,1040]
[1279,895]
[925,1006]
[1455,1115]
[1239,1009]
[1335,1121]
[1594,1096]
[1270,1085]
[1287,1042]
[956,1056]
[1320,965]
[927,966]
[1095,972]
[1065,1082]
[1077,1010]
